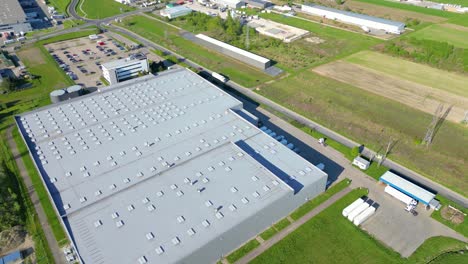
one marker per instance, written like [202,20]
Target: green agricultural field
[98,9]
[169,37]
[338,43]
[372,120]
[331,238]
[455,35]
[415,72]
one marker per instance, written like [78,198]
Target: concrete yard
[399,229]
[276,30]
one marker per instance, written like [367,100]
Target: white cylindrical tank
[364,216]
[74,91]
[58,96]
[357,211]
[352,206]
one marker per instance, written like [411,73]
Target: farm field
[100,9]
[320,240]
[415,85]
[419,73]
[390,12]
[156,31]
[372,120]
[453,34]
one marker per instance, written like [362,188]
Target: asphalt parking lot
[81,58]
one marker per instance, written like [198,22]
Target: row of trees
[10,208]
[437,54]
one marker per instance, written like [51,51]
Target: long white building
[361,20]
[124,69]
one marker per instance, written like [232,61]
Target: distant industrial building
[124,69]
[361,20]
[234,4]
[176,11]
[126,2]
[162,169]
[258,3]
[12,18]
[234,52]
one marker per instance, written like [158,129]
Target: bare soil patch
[33,55]
[390,13]
[415,95]
[452,215]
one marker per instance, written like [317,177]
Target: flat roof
[176,9]
[232,48]
[146,163]
[11,12]
[120,63]
[356,15]
[407,187]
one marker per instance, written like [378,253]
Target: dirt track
[418,96]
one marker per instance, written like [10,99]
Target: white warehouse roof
[407,187]
[351,17]
[234,49]
[157,167]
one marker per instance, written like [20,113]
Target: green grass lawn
[461,228]
[411,71]
[60,5]
[371,120]
[168,37]
[451,258]
[282,224]
[242,251]
[310,205]
[269,233]
[98,9]
[72,23]
[444,33]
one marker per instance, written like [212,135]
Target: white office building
[124,69]
[361,20]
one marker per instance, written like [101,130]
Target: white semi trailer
[357,211]
[352,206]
[219,77]
[364,216]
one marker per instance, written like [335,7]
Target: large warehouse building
[234,52]
[13,18]
[163,170]
[361,20]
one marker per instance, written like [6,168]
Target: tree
[8,84]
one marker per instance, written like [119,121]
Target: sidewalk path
[51,241]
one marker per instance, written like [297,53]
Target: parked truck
[219,77]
